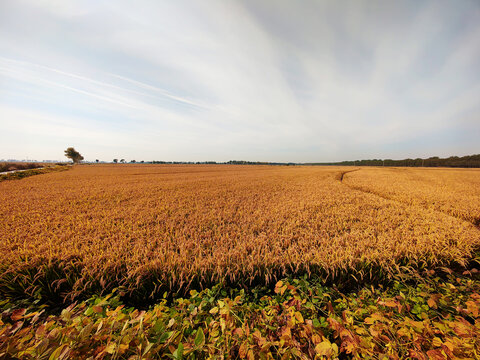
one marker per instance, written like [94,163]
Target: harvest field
[153,232]
[172,228]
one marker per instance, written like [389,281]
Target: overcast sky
[248,80]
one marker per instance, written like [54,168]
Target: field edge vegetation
[57,282]
[430,315]
[17,175]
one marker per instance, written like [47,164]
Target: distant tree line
[242,162]
[470,161]
[231,162]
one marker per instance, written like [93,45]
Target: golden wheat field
[157,228]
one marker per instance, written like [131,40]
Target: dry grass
[156,228]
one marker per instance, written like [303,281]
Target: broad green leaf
[199,338]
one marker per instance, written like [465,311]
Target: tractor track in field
[343,173]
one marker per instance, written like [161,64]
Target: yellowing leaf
[299,317]
[242,351]
[389,303]
[59,353]
[432,303]
[18,314]
[437,342]
[324,348]
[213,310]
[110,348]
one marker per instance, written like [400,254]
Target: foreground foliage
[431,318]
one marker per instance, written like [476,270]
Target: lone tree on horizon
[74,155]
